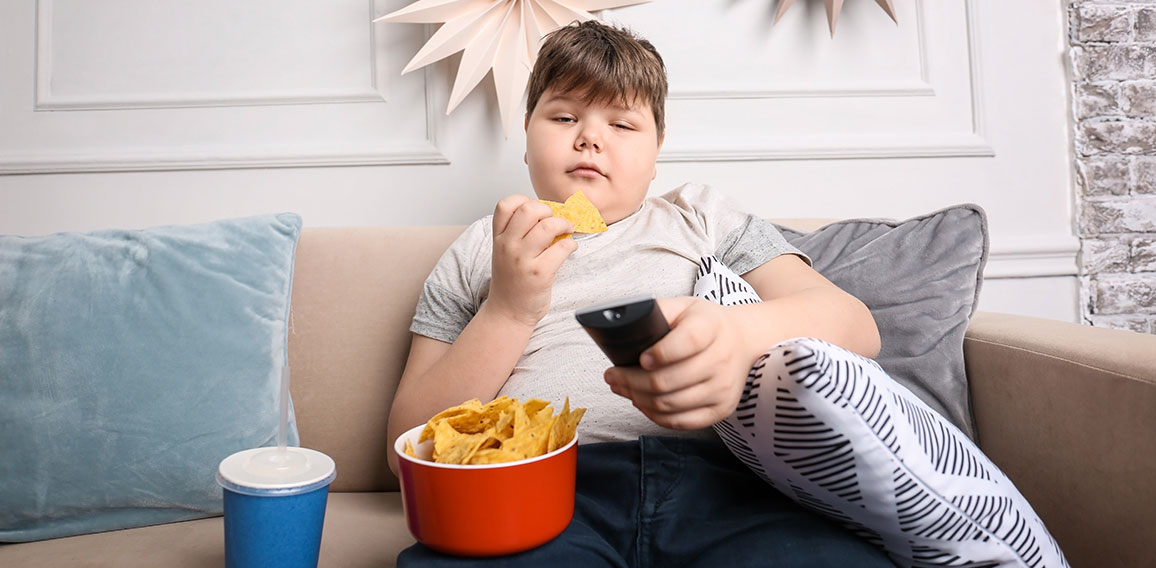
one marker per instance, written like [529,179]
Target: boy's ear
[654,174]
[526,127]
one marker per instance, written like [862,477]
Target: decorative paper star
[833,9]
[502,35]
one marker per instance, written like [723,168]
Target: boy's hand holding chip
[526,257]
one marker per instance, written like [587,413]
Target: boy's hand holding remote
[694,376]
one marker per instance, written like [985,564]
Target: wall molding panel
[919,86]
[258,84]
[918,94]
[46,99]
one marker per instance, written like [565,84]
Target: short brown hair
[602,64]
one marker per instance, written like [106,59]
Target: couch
[1068,411]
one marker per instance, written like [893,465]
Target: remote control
[624,328]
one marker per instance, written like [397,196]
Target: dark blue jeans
[674,502]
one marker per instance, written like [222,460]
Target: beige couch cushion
[361,530]
[349,338]
[1069,413]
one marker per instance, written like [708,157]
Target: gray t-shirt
[655,251]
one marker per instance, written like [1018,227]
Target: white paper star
[833,9]
[502,35]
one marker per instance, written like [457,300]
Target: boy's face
[606,150]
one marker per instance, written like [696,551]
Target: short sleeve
[456,286]
[754,243]
[742,241]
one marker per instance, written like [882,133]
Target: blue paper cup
[275,506]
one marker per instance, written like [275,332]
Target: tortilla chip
[580,211]
[500,431]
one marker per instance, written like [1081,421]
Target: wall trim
[1033,257]
[860,89]
[211,158]
[931,145]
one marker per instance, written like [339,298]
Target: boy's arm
[800,302]
[439,375]
[525,259]
[694,376]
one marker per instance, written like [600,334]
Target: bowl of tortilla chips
[490,479]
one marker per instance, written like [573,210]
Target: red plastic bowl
[486,510]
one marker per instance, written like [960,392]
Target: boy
[496,318]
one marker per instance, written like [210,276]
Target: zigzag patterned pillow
[834,432]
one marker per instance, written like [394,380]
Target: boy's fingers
[665,351]
[556,254]
[674,378]
[538,237]
[692,419]
[688,408]
[694,396]
[680,344]
[526,218]
[550,228]
[504,212]
[505,209]
[672,308]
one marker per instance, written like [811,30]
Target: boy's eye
[564,119]
[623,126]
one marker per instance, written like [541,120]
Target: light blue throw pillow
[131,364]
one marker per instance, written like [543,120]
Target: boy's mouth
[586,170]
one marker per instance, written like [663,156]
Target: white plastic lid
[274,468]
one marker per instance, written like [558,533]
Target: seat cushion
[361,529]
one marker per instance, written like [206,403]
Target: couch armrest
[1069,413]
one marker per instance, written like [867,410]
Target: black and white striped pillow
[834,432]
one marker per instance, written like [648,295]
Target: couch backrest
[354,293]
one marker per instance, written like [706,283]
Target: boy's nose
[587,140]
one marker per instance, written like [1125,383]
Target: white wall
[132,113]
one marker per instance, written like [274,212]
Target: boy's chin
[616,214]
[558,196]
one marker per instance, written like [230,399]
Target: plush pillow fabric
[834,432]
[921,279]
[131,364]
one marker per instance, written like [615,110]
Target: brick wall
[1113,57]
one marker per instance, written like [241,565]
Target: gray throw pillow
[921,279]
